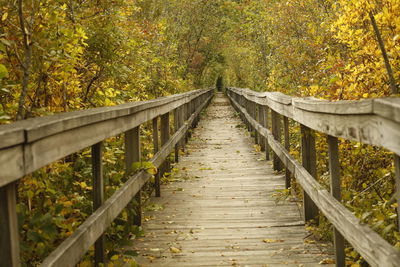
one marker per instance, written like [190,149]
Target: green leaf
[3,71]
[132,253]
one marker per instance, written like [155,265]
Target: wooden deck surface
[220,210]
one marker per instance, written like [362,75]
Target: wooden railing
[29,145]
[372,121]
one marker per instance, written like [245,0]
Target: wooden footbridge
[221,211]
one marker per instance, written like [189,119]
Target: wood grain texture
[370,121]
[368,243]
[309,162]
[388,108]
[47,139]
[9,234]
[334,173]
[335,107]
[11,164]
[98,198]
[221,208]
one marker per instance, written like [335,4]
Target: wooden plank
[335,107]
[388,108]
[261,120]
[74,247]
[46,126]
[334,171]
[11,164]
[279,97]
[397,186]
[352,120]
[51,138]
[98,199]
[309,162]
[156,148]
[287,147]
[368,243]
[176,127]
[181,143]
[276,130]
[11,135]
[223,224]
[253,113]
[9,237]
[266,125]
[368,129]
[165,128]
[65,143]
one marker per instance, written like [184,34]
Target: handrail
[372,121]
[31,144]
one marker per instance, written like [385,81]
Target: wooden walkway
[220,210]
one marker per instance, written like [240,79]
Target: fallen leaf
[273,240]
[174,250]
[327,261]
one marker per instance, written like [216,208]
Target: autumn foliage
[63,55]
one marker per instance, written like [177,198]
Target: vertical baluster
[9,236]
[287,146]
[176,128]
[165,138]
[181,122]
[247,107]
[156,148]
[309,161]
[261,120]
[255,117]
[397,185]
[334,169]
[186,116]
[98,198]
[276,132]
[132,154]
[266,125]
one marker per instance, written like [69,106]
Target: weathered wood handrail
[372,121]
[29,145]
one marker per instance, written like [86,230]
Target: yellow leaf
[115,257]
[327,261]
[4,17]
[365,95]
[174,250]
[273,240]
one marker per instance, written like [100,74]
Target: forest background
[64,55]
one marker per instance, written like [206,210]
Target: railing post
[176,128]
[132,154]
[186,116]
[156,148]
[334,169]
[309,159]
[261,120]
[266,125]
[248,109]
[181,122]
[276,132]
[98,199]
[254,115]
[9,236]
[165,138]
[287,147]
[397,186]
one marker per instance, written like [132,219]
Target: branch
[378,35]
